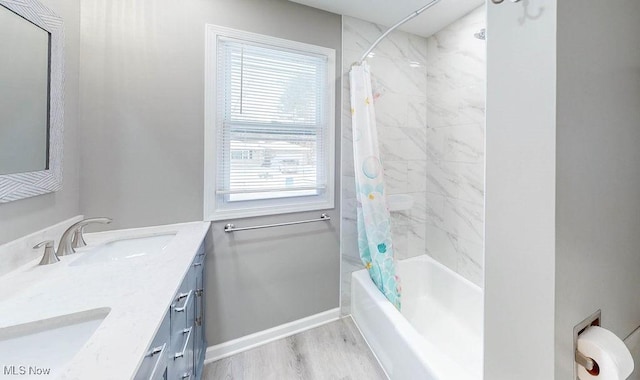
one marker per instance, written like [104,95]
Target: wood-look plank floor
[335,351]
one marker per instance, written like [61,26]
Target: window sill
[221,215]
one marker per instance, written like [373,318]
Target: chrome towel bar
[232,228]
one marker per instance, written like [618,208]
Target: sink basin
[125,249]
[43,348]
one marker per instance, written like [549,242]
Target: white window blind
[272,122]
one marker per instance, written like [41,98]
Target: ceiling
[388,12]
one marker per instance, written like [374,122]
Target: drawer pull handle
[200,258]
[186,342]
[156,350]
[181,296]
[186,297]
[187,375]
[156,366]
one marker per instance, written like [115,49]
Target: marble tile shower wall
[399,76]
[455,141]
[430,116]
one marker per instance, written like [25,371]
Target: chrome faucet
[72,237]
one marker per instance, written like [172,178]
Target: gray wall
[142,94]
[520,191]
[25,216]
[598,167]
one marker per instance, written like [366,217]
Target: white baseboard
[248,342]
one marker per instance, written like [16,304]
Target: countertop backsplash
[18,252]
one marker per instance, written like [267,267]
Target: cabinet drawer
[181,319]
[154,364]
[183,355]
[198,261]
[182,310]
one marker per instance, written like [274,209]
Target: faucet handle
[49,256]
[77,240]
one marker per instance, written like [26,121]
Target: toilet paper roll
[613,357]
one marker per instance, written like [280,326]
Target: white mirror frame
[25,185]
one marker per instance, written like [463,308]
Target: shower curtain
[374,221]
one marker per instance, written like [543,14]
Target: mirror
[31,100]
[24,100]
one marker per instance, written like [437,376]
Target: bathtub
[438,334]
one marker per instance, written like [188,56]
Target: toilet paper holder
[588,363]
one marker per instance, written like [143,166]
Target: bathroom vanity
[127,306]
[178,348]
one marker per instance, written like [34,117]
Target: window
[269,133]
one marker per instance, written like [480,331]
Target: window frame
[215,208]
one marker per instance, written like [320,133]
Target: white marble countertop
[137,291]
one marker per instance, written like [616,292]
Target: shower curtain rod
[394,27]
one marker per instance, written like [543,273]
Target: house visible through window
[272,131]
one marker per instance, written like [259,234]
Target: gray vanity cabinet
[199,340]
[183,335]
[182,330]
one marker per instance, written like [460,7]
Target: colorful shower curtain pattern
[374,221]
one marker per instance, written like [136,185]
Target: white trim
[210,71]
[211,209]
[232,347]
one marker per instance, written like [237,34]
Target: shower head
[481,35]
